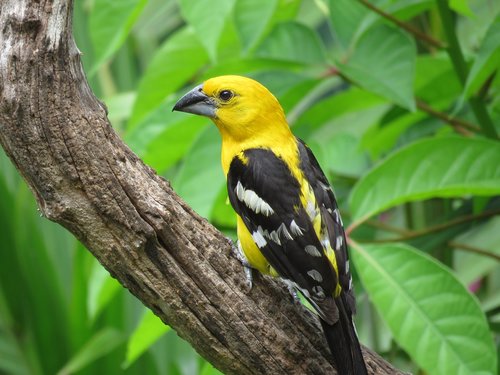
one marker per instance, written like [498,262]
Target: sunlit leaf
[440,167]
[207,18]
[407,9]
[120,106]
[109,24]
[347,18]
[101,290]
[173,64]
[208,369]
[200,178]
[102,343]
[163,137]
[383,62]
[252,18]
[487,60]
[147,332]
[431,315]
[461,6]
[292,41]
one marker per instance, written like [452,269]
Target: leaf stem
[458,124]
[388,228]
[437,228]
[415,32]
[473,249]
[461,69]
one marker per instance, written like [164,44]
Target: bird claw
[238,254]
[292,290]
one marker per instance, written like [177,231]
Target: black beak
[196,102]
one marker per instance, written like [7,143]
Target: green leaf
[436,81]
[347,18]
[223,215]
[408,9]
[200,178]
[147,332]
[163,137]
[431,315]
[109,24]
[470,267]
[352,108]
[207,18]
[101,290]
[292,41]
[120,106]
[486,62]
[461,6]
[441,167]
[383,62]
[340,154]
[179,58]
[14,349]
[379,140]
[102,343]
[252,18]
[208,369]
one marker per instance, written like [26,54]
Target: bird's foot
[292,289]
[238,254]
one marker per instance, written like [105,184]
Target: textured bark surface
[83,177]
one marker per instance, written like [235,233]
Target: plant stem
[461,69]
[437,228]
[415,32]
[458,124]
[472,249]
[388,228]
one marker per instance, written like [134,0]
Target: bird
[288,221]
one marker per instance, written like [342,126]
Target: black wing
[330,217]
[266,195]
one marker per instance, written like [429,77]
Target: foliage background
[402,111]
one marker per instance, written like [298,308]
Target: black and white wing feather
[267,197]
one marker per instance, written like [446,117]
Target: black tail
[344,344]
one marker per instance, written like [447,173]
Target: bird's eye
[225,95]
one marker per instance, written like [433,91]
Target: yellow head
[241,107]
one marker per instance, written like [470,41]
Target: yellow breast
[252,252]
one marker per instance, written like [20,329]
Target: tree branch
[83,177]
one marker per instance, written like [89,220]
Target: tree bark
[85,178]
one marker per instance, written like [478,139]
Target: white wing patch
[252,200]
[295,229]
[283,232]
[258,238]
[315,275]
[312,251]
[337,217]
[338,242]
[311,210]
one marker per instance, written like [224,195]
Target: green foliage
[398,121]
[432,315]
[436,167]
[110,26]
